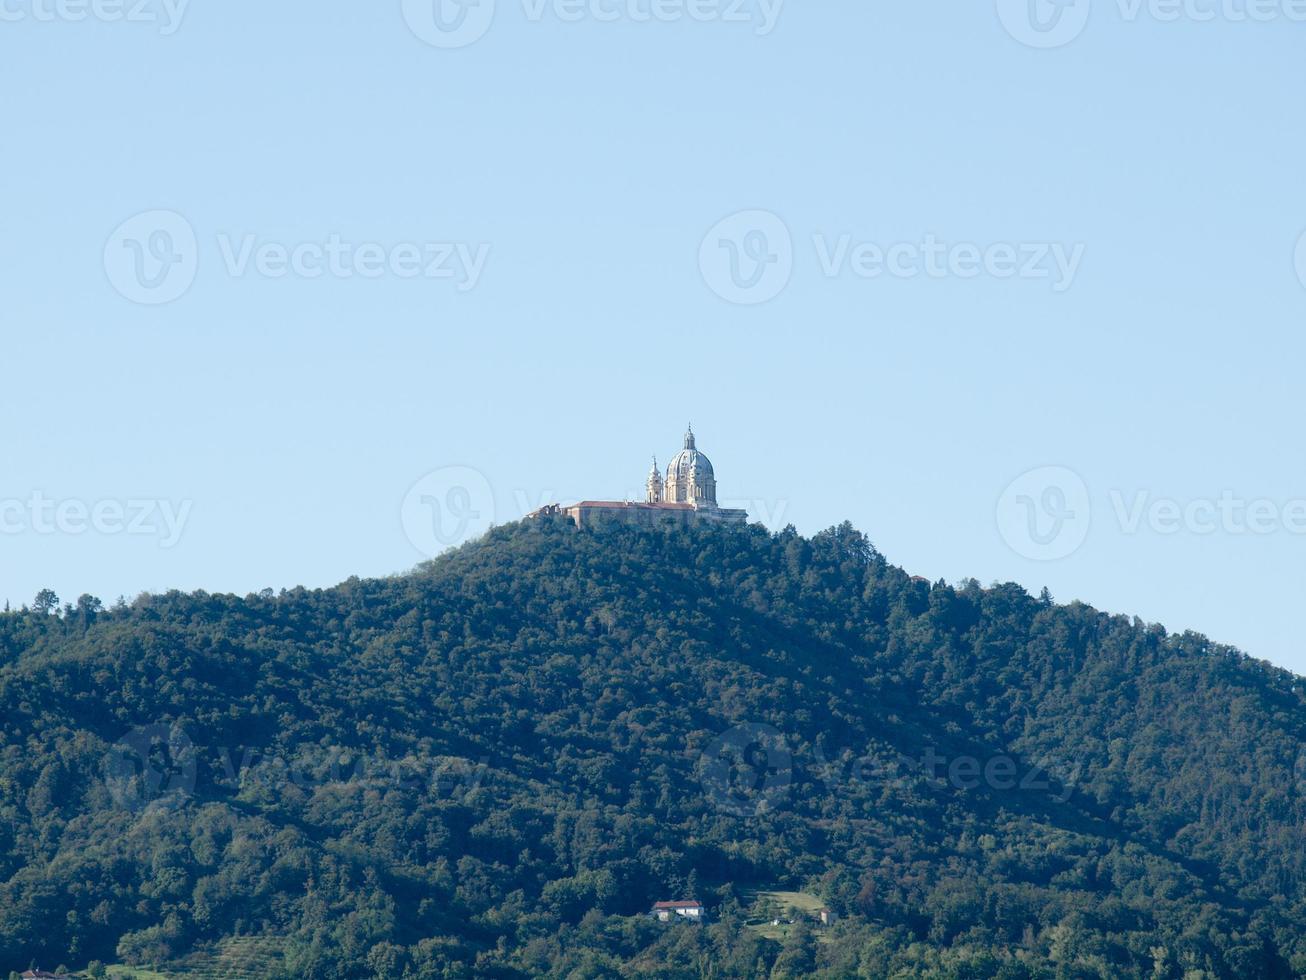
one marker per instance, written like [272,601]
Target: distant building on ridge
[687,493]
[666,911]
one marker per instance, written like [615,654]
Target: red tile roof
[621,504]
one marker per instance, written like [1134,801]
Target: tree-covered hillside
[494,766]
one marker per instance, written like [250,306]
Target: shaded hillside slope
[492,766]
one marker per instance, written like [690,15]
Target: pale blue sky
[284,419]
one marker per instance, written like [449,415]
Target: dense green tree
[492,767]
[45,602]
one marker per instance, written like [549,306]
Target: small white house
[664,911]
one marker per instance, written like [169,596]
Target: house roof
[677,905]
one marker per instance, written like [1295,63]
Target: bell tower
[654,485]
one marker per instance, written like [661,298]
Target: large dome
[689,460]
[689,480]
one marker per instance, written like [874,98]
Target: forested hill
[494,766]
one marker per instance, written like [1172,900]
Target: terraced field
[785,906]
[241,958]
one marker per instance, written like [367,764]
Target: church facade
[685,493]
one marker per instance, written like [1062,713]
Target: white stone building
[686,493]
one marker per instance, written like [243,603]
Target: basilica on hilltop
[686,493]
